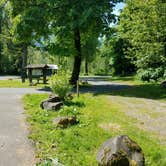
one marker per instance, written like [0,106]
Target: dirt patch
[110,127]
[150,114]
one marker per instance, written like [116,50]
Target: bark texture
[77,58]
[24,62]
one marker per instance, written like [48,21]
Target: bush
[151,74]
[60,84]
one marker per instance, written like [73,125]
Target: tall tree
[67,18]
[29,25]
[143,24]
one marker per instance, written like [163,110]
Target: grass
[149,91]
[99,120]
[131,80]
[16,83]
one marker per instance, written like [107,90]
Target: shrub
[151,74]
[60,84]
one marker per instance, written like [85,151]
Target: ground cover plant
[99,119]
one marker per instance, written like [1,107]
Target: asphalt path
[15,148]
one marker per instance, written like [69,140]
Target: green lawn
[99,119]
[133,80]
[16,83]
[149,91]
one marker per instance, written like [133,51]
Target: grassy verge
[99,120]
[149,91]
[16,83]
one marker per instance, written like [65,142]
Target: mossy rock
[120,151]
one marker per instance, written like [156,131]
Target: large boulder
[120,151]
[64,121]
[53,103]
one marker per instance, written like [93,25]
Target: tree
[9,56]
[89,49]
[143,24]
[66,18]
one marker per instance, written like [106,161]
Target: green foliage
[142,24]
[60,84]
[151,74]
[66,26]
[9,52]
[121,64]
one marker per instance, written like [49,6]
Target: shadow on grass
[149,91]
[102,89]
[75,103]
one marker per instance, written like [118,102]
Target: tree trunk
[86,66]
[77,58]
[24,62]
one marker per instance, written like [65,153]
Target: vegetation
[83,33]
[60,84]
[16,83]
[67,33]
[62,26]
[142,25]
[79,144]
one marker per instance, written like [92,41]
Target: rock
[53,106]
[65,121]
[120,151]
[69,96]
[163,84]
[53,98]
[53,103]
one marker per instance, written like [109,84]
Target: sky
[118,7]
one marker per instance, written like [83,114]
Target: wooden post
[44,76]
[30,75]
[24,62]
[78,93]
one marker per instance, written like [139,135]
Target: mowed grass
[99,120]
[16,83]
[149,91]
[131,80]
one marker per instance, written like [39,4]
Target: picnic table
[39,71]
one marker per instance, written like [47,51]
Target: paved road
[15,148]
